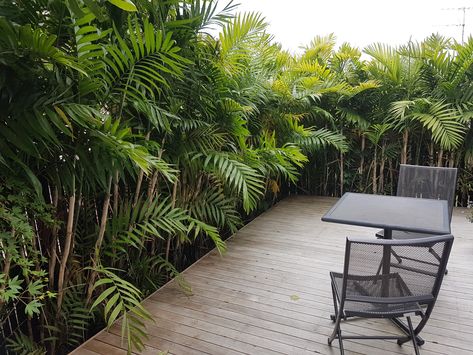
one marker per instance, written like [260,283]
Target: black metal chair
[409,288]
[424,182]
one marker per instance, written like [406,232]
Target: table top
[391,212]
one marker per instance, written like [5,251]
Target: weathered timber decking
[270,294]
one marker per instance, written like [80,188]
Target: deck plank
[270,294]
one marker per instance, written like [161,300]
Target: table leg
[386,262]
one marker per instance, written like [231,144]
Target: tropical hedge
[133,139]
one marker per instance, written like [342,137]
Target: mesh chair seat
[371,287]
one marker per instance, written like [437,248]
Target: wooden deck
[270,294]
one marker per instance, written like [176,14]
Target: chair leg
[337,317]
[335,305]
[398,258]
[411,337]
[340,341]
[379,268]
[434,253]
[337,333]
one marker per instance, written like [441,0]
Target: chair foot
[404,327]
[340,341]
[419,341]
[336,331]
[412,337]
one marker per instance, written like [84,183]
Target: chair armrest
[389,300]
[427,241]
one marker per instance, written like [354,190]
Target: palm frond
[311,141]
[238,176]
[444,124]
[387,61]
[22,344]
[213,207]
[198,227]
[121,298]
[138,66]
[279,162]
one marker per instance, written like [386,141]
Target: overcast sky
[361,22]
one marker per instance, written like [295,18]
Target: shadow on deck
[271,294]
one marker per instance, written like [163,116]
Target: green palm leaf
[444,124]
[238,176]
[312,141]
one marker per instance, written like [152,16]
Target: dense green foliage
[419,113]
[132,141]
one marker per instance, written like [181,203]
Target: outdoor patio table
[391,213]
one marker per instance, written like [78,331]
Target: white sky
[360,22]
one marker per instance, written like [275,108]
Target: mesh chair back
[428,182]
[418,277]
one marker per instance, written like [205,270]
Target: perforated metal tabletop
[391,213]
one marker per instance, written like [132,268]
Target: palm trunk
[139,181]
[451,160]
[405,142]
[152,185]
[440,158]
[115,193]
[362,162]
[419,146]
[98,243]
[381,168]
[173,204]
[374,177]
[431,154]
[53,244]
[342,179]
[151,193]
[115,211]
[67,246]
[154,180]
